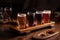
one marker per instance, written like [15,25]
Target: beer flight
[30,19]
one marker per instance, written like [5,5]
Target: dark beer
[30,19]
[38,18]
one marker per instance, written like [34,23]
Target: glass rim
[38,12]
[46,12]
[21,15]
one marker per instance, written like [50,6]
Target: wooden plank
[35,27]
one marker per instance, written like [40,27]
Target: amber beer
[38,17]
[21,19]
[46,16]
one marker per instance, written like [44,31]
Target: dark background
[30,5]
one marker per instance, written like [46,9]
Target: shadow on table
[9,33]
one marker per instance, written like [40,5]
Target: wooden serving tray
[35,27]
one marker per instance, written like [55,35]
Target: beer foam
[46,12]
[21,15]
[38,12]
[18,14]
[28,13]
[4,9]
[10,9]
[33,13]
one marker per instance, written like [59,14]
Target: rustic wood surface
[7,33]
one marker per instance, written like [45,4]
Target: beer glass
[21,19]
[46,16]
[1,14]
[30,19]
[38,17]
[7,13]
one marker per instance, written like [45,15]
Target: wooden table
[8,35]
